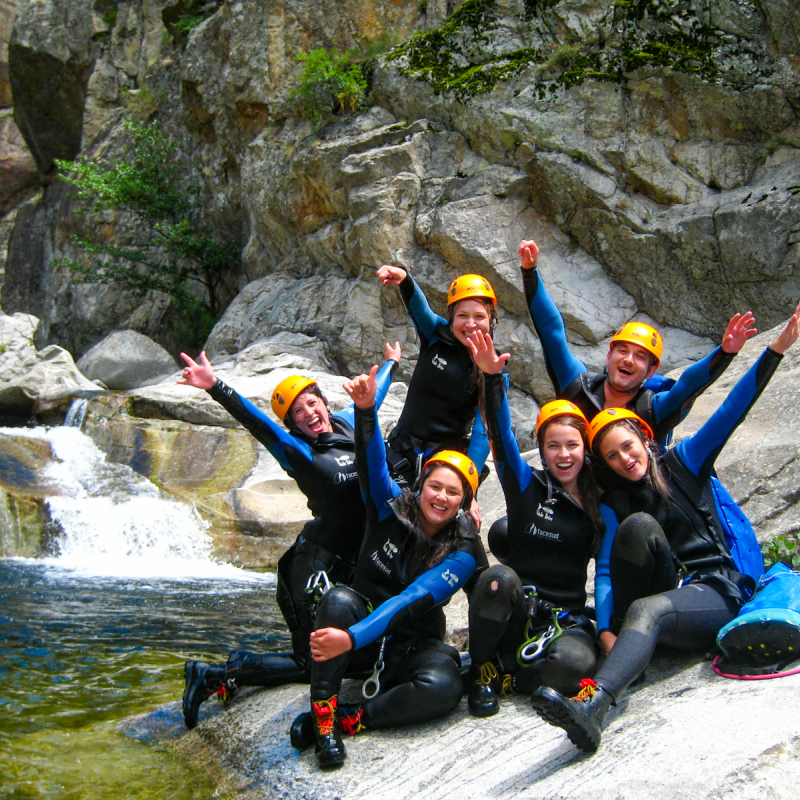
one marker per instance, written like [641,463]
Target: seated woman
[318,451]
[665,573]
[526,615]
[420,548]
[441,409]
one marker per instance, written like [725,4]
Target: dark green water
[79,653]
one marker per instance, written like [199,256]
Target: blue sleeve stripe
[423,316]
[478,442]
[691,381]
[381,485]
[438,584]
[384,381]
[285,439]
[515,462]
[603,590]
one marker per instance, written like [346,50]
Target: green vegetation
[331,83]
[177,259]
[781,548]
[632,34]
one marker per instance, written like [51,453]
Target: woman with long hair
[317,449]
[526,615]
[420,547]
[665,573]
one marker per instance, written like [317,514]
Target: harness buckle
[372,685]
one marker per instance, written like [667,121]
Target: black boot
[266,669]
[581,716]
[328,733]
[302,734]
[482,698]
[202,680]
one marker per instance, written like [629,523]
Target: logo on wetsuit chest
[450,577]
[390,549]
[376,559]
[342,477]
[533,530]
[343,461]
[545,512]
[438,362]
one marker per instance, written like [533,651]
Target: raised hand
[393,353]
[481,349]
[201,375]
[788,336]
[528,253]
[391,276]
[739,330]
[362,389]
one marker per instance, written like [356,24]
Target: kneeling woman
[527,614]
[669,529]
[420,548]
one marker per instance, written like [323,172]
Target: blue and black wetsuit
[548,545]
[391,597]
[324,469]
[441,408]
[661,410]
[649,545]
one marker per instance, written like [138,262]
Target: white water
[115,523]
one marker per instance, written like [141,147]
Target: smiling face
[309,415]
[625,452]
[440,499]
[468,316]
[563,452]
[629,366]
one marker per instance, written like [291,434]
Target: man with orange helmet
[634,355]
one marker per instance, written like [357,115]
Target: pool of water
[79,652]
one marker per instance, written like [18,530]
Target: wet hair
[587,485]
[657,480]
[288,419]
[426,552]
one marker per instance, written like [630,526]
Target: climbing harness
[317,585]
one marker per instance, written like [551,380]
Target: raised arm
[422,315]
[383,380]
[562,366]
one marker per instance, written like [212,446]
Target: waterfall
[76,413]
[111,521]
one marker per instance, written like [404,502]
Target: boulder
[127,360]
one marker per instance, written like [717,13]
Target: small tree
[179,261]
[331,82]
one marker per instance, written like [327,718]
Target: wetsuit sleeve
[603,590]
[479,438]
[275,438]
[430,589]
[419,309]
[671,406]
[384,378]
[562,366]
[699,451]
[504,444]
[377,486]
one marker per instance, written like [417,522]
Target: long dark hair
[587,486]
[657,480]
[426,553]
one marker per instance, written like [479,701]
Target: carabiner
[372,685]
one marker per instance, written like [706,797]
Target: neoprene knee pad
[340,607]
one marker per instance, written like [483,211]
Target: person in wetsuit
[318,451]
[634,354]
[419,549]
[441,409]
[662,525]
[554,528]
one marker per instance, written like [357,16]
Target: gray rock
[127,360]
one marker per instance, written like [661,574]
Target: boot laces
[507,687]
[587,692]
[352,724]
[226,691]
[324,713]
[488,674]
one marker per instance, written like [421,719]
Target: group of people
[395,524]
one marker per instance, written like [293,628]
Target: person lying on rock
[634,354]
[665,573]
[420,548]
[318,451]
[526,615]
[441,409]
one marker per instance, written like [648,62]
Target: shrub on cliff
[178,259]
[330,83]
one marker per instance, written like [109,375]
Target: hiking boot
[482,698]
[302,735]
[327,733]
[202,680]
[581,716]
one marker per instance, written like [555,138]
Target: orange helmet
[470,286]
[461,463]
[557,408]
[642,335]
[286,393]
[610,415]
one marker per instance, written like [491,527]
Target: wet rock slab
[684,733]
